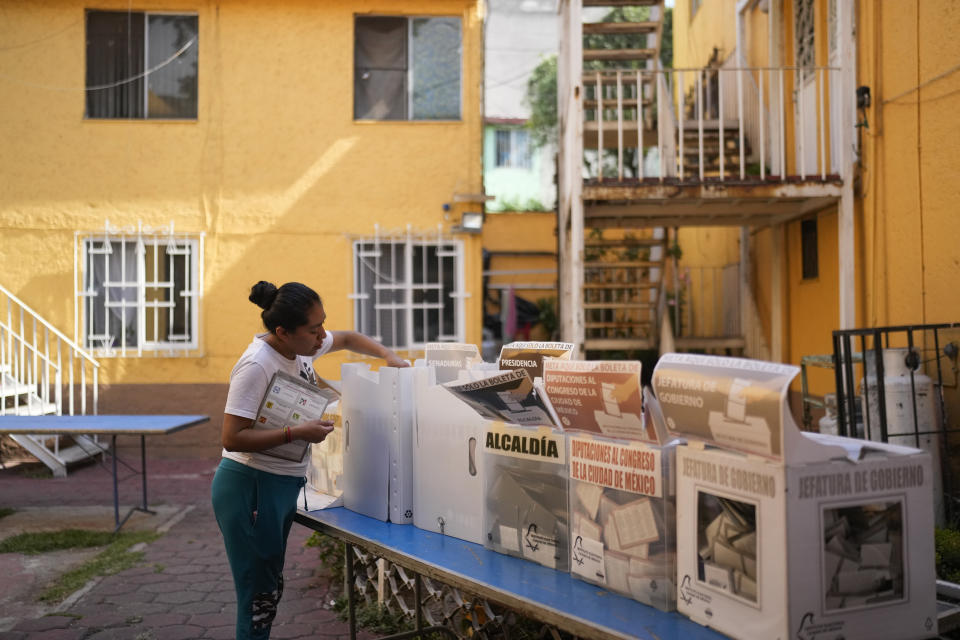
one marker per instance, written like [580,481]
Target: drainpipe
[846,20]
[746,295]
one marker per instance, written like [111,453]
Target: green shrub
[947,544]
[330,552]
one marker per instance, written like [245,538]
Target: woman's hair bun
[263,294]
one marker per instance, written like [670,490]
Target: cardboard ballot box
[377,413]
[447,460]
[783,534]
[525,494]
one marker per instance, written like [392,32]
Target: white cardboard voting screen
[447,450]
[784,534]
[377,413]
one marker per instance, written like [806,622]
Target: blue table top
[115,425]
[551,596]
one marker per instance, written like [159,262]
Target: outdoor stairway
[711,149]
[22,400]
[42,372]
[620,291]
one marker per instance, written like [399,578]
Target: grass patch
[43,542]
[6,511]
[114,559]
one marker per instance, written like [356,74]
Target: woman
[254,495]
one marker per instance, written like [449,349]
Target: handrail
[711,123]
[73,345]
[659,69]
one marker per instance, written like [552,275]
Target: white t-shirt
[248,383]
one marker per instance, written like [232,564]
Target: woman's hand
[312,431]
[393,360]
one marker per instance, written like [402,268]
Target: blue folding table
[549,596]
[106,425]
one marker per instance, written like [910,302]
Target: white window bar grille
[139,290]
[408,289]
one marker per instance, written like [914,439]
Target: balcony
[750,149]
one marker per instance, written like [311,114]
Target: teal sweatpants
[254,510]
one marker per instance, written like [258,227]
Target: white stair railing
[42,372]
[749,107]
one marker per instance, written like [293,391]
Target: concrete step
[33,408]
[10,388]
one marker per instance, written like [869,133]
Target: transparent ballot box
[525,494]
[623,517]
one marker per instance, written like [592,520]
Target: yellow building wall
[522,237]
[912,261]
[274,170]
[907,257]
[705,253]
[713,25]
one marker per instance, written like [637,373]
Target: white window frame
[88,244]
[410,18]
[516,158]
[379,259]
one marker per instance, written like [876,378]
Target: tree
[541,96]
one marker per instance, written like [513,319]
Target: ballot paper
[529,356]
[635,523]
[449,358]
[858,569]
[601,397]
[508,397]
[290,401]
[727,544]
[589,496]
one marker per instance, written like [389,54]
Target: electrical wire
[946,73]
[109,85]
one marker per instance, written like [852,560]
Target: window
[406,68]
[141,65]
[140,292]
[408,291]
[808,248]
[804,35]
[512,148]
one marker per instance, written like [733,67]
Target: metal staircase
[43,372]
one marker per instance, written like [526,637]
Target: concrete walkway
[181,590]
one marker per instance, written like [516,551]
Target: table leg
[418,600]
[116,492]
[351,611]
[143,470]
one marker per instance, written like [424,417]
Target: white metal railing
[42,371]
[709,108]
